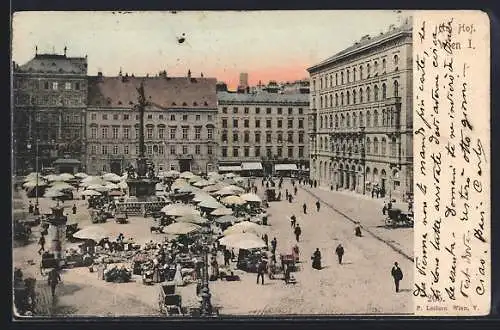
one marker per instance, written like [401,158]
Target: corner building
[360,123]
[179,123]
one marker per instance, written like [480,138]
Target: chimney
[65,50]
[189,73]
[100,77]
[120,73]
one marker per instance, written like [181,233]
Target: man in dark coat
[316,264]
[53,279]
[227,257]
[41,242]
[318,205]
[295,191]
[297,232]
[30,208]
[339,251]
[261,269]
[74,208]
[397,274]
[274,243]
[293,220]
[304,207]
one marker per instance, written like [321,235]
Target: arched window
[331,100]
[348,76]
[396,60]
[354,74]
[396,88]
[368,146]
[368,96]
[336,79]
[354,121]
[383,147]
[360,72]
[375,146]
[321,122]
[354,98]
[384,64]
[375,92]
[348,97]
[360,95]
[368,70]
[361,119]
[375,67]
[314,103]
[368,119]
[336,121]
[393,147]
[383,117]
[342,78]
[342,98]
[375,118]
[348,120]
[342,120]
[336,99]
[331,121]
[384,91]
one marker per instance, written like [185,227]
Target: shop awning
[67,161]
[285,167]
[251,166]
[229,168]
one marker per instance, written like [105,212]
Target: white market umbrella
[186,175]
[195,178]
[52,177]
[91,193]
[192,218]
[33,184]
[245,227]
[201,196]
[242,241]
[112,177]
[181,228]
[172,174]
[211,188]
[226,219]
[95,233]
[179,183]
[179,210]
[81,175]
[66,177]
[53,193]
[222,211]
[233,200]
[188,189]
[211,204]
[229,175]
[98,187]
[201,183]
[32,176]
[112,186]
[60,185]
[122,185]
[250,197]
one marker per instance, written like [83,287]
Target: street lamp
[362,128]
[36,168]
[206,304]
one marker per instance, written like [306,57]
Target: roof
[366,42]
[175,92]
[262,97]
[53,63]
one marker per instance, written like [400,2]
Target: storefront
[286,170]
[252,169]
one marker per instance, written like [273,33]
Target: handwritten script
[452,163]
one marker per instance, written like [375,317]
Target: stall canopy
[229,168]
[285,167]
[251,166]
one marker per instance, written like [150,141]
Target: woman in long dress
[178,275]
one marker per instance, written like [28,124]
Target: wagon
[169,302]
[397,218]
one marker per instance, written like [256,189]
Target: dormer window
[184,104]
[130,103]
[173,103]
[119,102]
[206,104]
[195,104]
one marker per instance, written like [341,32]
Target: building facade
[49,101]
[180,123]
[266,128]
[361,116]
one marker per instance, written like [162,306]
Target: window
[77,86]
[290,152]
[301,137]
[257,151]
[150,116]
[375,67]
[383,147]
[301,152]
[104,132]
[301,123]
[93,132]
[209,117]
[197,133]
[396,88]
[280,123]
[290,123]
[235,123]
[368,96]
[269,152]
[115,132]
[172,117]
[67,86]
[115,150]
[93,150]
[368,70]
[137,132]
[235,152]
[257,111]
[224,110]
[257,123]
[161,149]
[342,98]
[361,120]
[348,76]
[384,65]
[235,136]
[104,149]
[224,123]
[354,120]
[257,137]
[149,133]
[268,111]
[172,133]
[184,150]
[197,149]
[342,78]
[279,151]
[246,123]
[354,74]
[224,151]
[224,136]
[54,86]
[125,117]
[235,110]
[360,95]
[184,133]
[184,117]
[210,133]
[290,137]
[336,100]
[348,96]
[360,72]
[173,150]
[209,150]
[246,110]
[336,79]
[268,137]
[136,149]
[375,118]
[268,123]
[321,102]
[104,167]
[198,117]
[280,111]
[290,111]
[246,137]
[93,116]
[150,150]
[105,117]
[161,133]
[46,85]
[396,60]
[368,146]
[354,97]
[368,119]
[246,151]
[375,93]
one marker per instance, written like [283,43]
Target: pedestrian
[315,184]
[30,208]
[36,211]
[295,190]
[397,274]
[227,257]
[261,269]
[290,198]
[384,209]
[304,207]
[316,258]
[340,252]
[274,244]
[53,279]
[266,240]
[318,205]
[373,193]
[297,232]
[74,208]
[357,230]
[293,220]
[286,193]
[41,242]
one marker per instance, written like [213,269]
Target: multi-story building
[180,123]
[49,101]
[265,128]
[361,116]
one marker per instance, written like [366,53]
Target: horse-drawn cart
[169,302]
[397,218]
